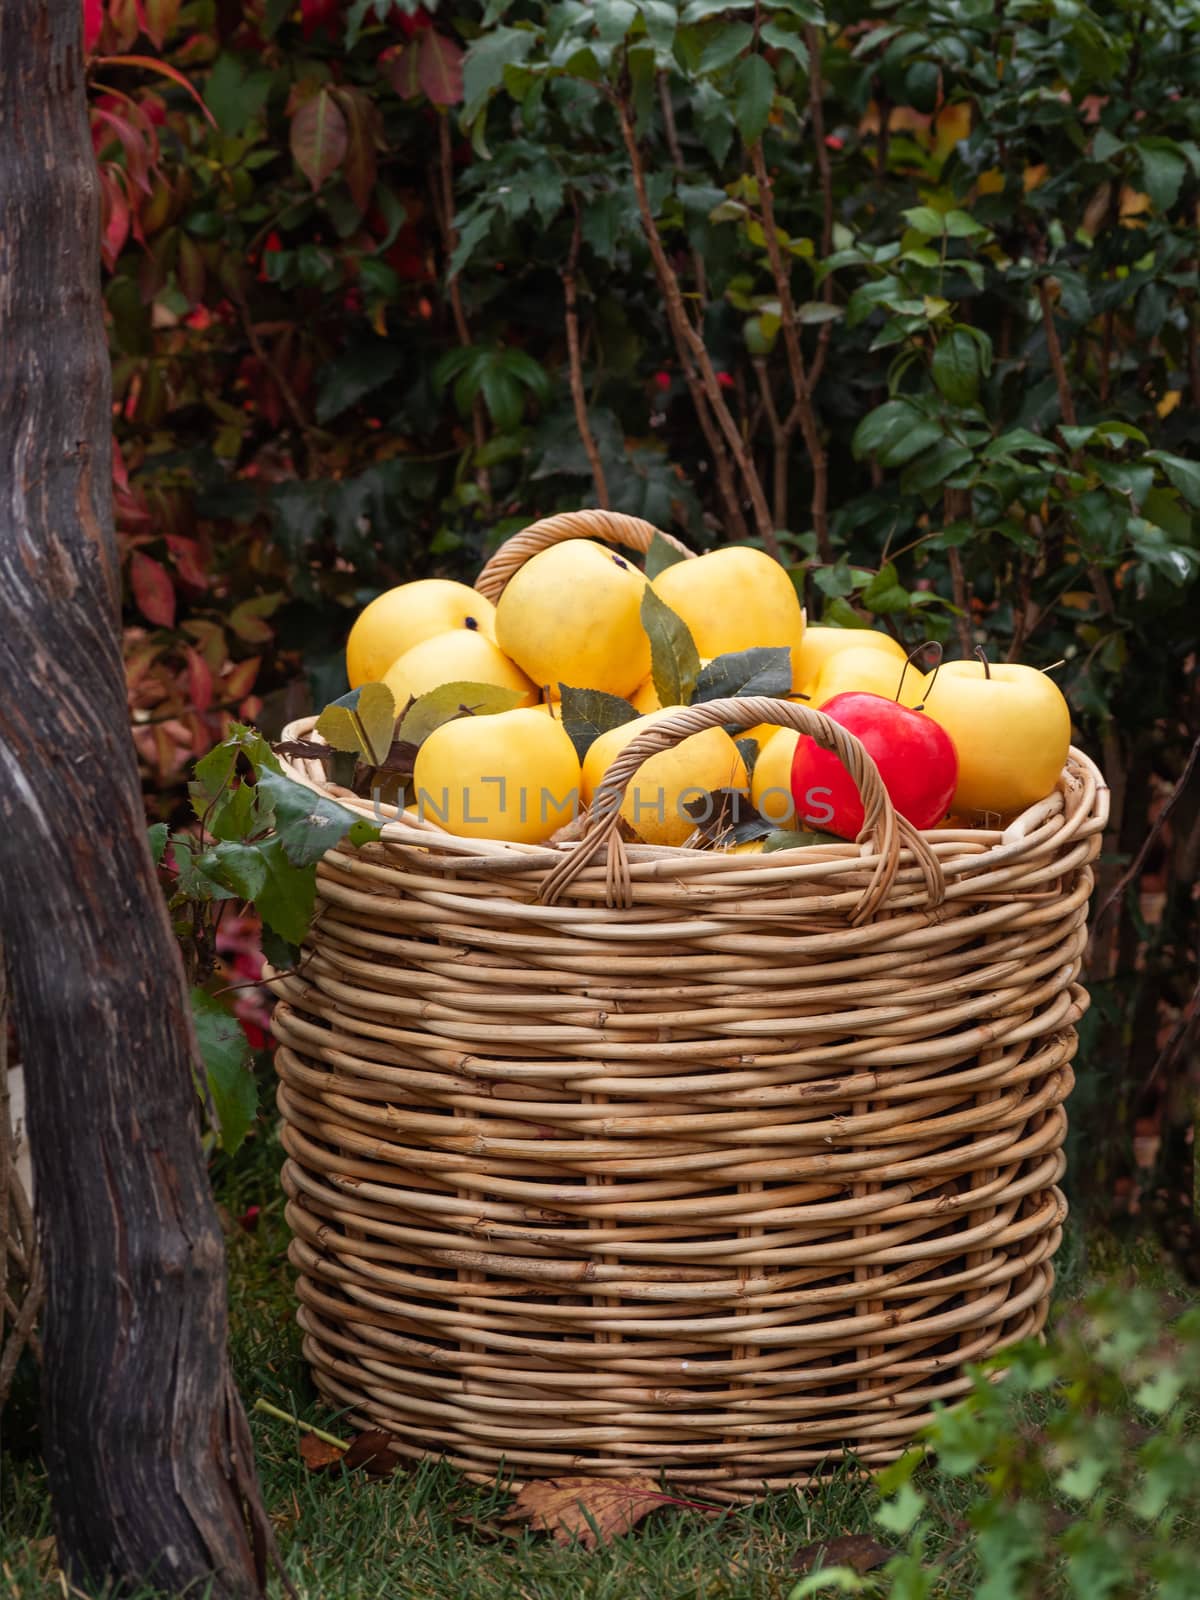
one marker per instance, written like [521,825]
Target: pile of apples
[970,742]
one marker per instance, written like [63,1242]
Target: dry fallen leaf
[857,1551]
[317,1454]
[568,1507]
[373,1452]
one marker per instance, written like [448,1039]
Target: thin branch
[816,111]
[779,438]
[673,145]
[1135,866]
[697,364]
[575,361]
[444,208]
[956,505]
[1066,401]
[310,435]
[803,408]
[1066,405]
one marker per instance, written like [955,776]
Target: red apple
[915,757]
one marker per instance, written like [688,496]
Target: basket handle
[613,527]
[882,824]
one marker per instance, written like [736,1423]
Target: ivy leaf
[237,867]
[674,659]
[158,841]
[190,881]
[587,713]
[225,1054]
[357,374]
[450,700]
[285,901]
[754,94]
[306,823]
[236,814]
[319,137]
[362,722]
[282,955]
[485,61]
[765,669]
[661,555]
[956,367]
[885,594]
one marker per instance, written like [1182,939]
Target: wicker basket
[608,1158]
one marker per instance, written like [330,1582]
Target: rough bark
[146,1444]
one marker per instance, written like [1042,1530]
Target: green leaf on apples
[587,713]
[361,722]
[728,816]
[451,700]
[660,555]
[674,659]
[797,839]
[765,669]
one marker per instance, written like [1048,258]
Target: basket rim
[959,851]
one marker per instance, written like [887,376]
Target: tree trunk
[146,1444]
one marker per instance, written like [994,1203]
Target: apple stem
[1055,664]
[908,661]
[982,654]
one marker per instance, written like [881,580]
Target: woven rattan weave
[603,1158]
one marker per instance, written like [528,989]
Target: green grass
[427,1534]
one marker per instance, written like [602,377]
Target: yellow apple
[819,644]
[732,599]
[866,671]
[1011,729]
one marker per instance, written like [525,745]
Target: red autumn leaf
[317,1454]
[238,682]
[200,680]
[164,69]
[115,216]
[186,555]
[93,23]
[152,589]
[359,165]
[403,71]
[137,150]
[316,14]
[319,137]
[439,68]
